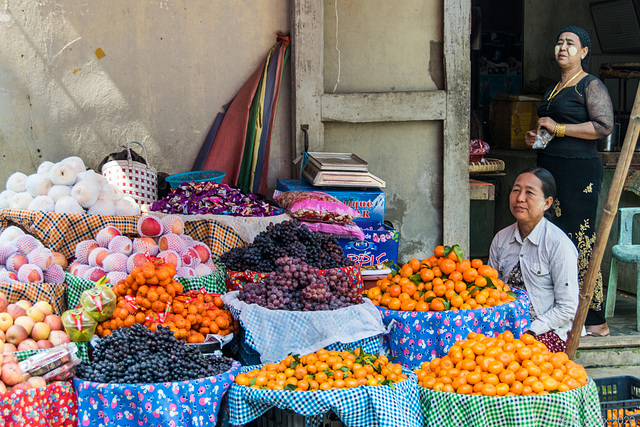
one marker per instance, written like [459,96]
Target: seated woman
[537,256]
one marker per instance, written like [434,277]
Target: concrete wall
[543,19]
[169,68]
[382,47]
[171,65]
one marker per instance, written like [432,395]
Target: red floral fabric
[55,405]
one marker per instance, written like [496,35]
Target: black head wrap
[585,41]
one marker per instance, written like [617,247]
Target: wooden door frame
[311,106]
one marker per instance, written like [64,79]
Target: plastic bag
[543,137]
[339,230]
[477,149]
[316,206]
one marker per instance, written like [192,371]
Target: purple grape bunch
[286,239]
[297,286]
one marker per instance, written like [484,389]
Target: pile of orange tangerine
[324,370]
[501,366]
[444,281]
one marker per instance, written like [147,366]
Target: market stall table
[54,405]
[276,333]
[416,336]
[577,407]
[371,406]
[171,404]
[62,232]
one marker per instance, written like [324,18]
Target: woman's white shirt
[549,265]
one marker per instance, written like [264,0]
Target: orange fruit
[447,266]
[522,374]
[484,270]
[409,288]
[440,289]
[502,389]
[537,387]
[436,304]
[406,271]
[403,297]
[394,304]
[415,264]
[550,384]
[426,274]
[439,251]
[422,306]
[480,282]
[408,305]
[528,339]
[456,276]
[470,275]
[395,290]
[524,353]
[476,263]
[488,390]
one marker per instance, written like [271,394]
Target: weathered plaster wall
[169,68]
[383,48]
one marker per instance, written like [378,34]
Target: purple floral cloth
[418,336]
[186,403]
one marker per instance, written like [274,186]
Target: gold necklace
[554,92]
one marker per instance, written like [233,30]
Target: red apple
[58,338]
[16,311]
[3,387]
[5,321]
[44,344]
[11,374]
[149,226]
[9,349]
[36,314]
[54,321]
[22,386]
[40,331]
[16,334]
[27,344]
[37,382]
[24,304]
[60,259]
[44,306]
[26,322]
[3,302]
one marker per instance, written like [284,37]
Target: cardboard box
[380,244]
[369,202]
[511,116]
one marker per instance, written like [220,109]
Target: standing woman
[577,111]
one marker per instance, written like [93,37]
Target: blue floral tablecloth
[186,403]
[418,336]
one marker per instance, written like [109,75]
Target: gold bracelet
[559,130]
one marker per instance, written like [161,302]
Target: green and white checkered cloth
[579,407]
[213,283]
[83,352]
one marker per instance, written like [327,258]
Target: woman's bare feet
[598,330]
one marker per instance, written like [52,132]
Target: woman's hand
[530,137]
[548,123]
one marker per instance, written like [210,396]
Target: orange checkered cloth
[53,293]
[62,232]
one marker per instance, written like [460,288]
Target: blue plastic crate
[619,398]
[196,176]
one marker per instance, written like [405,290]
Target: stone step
[604,352]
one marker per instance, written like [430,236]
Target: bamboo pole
[608,215]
